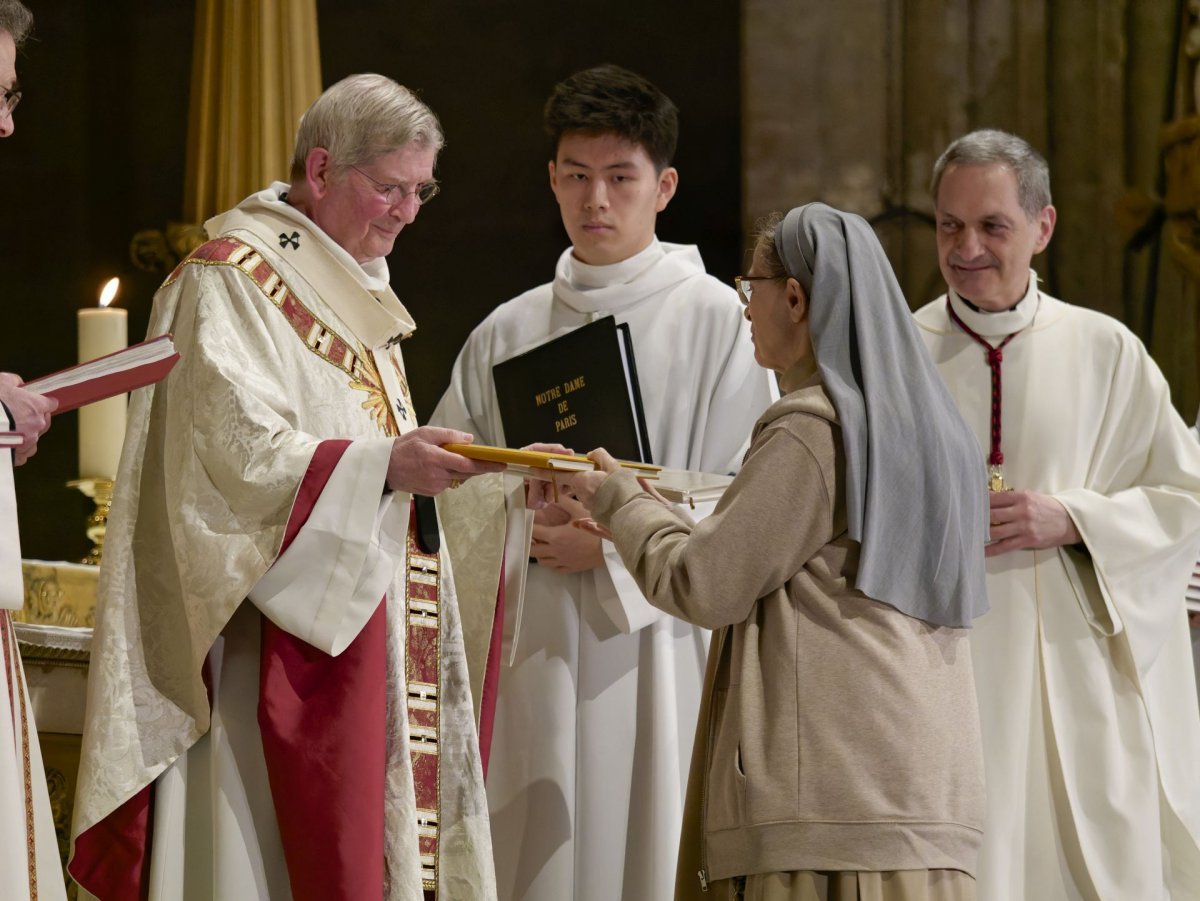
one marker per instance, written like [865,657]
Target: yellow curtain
[256,68]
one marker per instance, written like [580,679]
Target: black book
[579,389]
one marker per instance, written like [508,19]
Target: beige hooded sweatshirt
[836,733]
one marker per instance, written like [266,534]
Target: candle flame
[109,291]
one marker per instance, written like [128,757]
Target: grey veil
[916,494]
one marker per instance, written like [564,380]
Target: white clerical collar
[992,325]
[584,275]
[600,290]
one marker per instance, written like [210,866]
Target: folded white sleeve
[619,596]
[334,574]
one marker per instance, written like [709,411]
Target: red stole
[324,732]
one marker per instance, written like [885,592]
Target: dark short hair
[16,20]
[611,99]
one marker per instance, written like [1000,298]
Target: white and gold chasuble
[1087,700]
[285,342]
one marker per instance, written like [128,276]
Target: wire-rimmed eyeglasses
[745,287]
[9,98]
[394,194]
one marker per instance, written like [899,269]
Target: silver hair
[16,20]
[764,243]
[990,146]
[361,118]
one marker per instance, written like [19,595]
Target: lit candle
[102,330]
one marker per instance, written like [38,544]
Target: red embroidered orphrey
[995,356]
[423,667]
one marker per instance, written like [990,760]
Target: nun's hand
[583,485]
[605,462]
[648,487]
[592,527]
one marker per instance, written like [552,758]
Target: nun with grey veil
[837,752]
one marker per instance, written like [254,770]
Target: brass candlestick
[100,491]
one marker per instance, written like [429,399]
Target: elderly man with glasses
[279,703]
[29,864]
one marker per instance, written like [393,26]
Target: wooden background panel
[1086,40]
[935,93]
[1149,65]
[1161,302]
[1176,342]
[814,98]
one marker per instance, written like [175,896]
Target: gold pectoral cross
[996,479]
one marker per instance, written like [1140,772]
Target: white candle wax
[102,330]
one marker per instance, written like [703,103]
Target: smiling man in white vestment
[594,719]
[29,864]
[1091,733]
[278,704]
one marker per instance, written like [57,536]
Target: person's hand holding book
[420,465]
[539,492]
[30,413]
[583,487]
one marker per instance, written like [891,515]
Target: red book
[110,375]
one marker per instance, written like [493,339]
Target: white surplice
[595,716]
[29,863]
[1083,670]
[212,462]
